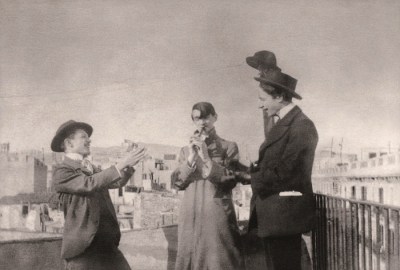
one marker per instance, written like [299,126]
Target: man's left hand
[243,177]
[201,147]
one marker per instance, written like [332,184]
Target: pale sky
[133,69]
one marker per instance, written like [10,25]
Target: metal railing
[355,235]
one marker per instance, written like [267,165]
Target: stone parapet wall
[41,253]
[153,249]
[159,209]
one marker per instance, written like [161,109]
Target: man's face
[80,143]
[267,102]
[206,122]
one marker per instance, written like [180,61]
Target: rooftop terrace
[349,234]
[151,249]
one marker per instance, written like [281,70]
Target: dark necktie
[275,118]
[269,123]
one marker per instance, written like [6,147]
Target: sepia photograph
[200,135]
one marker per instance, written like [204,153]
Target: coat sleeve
[126,174]
[303,137]
[180,178]
[68,180]
[218,174]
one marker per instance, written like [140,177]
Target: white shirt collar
[285,110]
[74,156]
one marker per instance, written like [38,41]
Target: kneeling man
[91,230]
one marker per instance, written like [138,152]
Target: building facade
[22,173]
[375,179]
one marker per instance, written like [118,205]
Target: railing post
[337,236]
[352,256]
[315,232]
[325,234]
[396,240]
[356,260]
[369,242]
[340,228]
[378,246]
[387,249]
[334,234]
[331,248]
[344,237]
[362,243]
[345,242]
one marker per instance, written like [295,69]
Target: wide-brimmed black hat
[64,130]
[280,80]
[263,60]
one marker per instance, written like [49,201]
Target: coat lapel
[277,132]
[76,164]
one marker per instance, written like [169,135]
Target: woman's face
[206,123]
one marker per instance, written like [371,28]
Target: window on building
[391,160]
[120,193]
[364,164]
[353,192]
[25,210]
[364,193]
[380,195]
[335,188]
[144,176]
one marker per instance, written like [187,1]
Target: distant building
[21,173]
[51,162]
[171,161]
[154,173]
[376,179]
[31,212]
[151,174]
[327,159]
[5,148]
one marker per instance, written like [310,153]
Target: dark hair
[69,135]
[277,92]
[205,108]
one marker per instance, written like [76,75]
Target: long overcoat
[285,164]
[208,235]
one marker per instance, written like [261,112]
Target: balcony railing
[355,235]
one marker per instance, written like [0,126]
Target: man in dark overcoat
[283,172]
[91,231]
